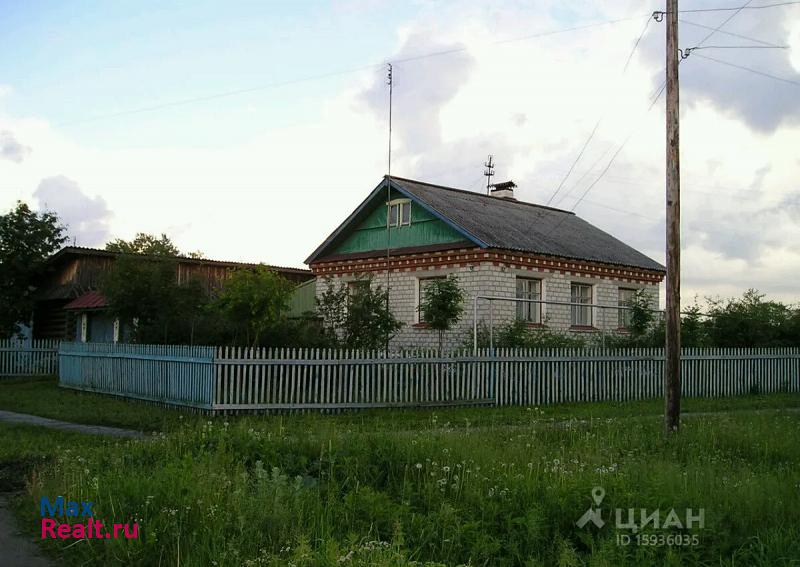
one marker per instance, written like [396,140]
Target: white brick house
[496,246]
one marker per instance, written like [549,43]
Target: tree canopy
[357,316]
[253,301]
[27,238]
[442,305]
[145,244]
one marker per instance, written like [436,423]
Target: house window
[400,213]
[424,284]
[625,298]
[357,286]
[581,316]
[528,288]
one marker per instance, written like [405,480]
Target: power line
[735,8]
[728,19]
[635,45]
[751,70]
[690,49]
[700,43]
[623,211]
[599,120]
[732,34]
[584,176]
[225,94]
[658,95]
[276,84]
[574,163]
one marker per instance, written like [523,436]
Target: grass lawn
[43,397]
[462,486]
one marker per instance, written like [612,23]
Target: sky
[250,130]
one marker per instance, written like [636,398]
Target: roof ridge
[88,249]
[494,199]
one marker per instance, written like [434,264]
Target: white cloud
[11,149]
[532,103]
[86,218]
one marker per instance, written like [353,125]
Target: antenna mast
[489,172]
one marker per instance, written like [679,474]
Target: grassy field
[472,487]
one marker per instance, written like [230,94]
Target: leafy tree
[752,322]
[357,317]
[442,305]
[693,328]
[641,315]
[27,238]
[145,295]
[253,301]
[145,244]
[332,308]
[145,291]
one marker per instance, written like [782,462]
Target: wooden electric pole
[672,369]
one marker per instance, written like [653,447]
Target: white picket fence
[28,358]
[260,379]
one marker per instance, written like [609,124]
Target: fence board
[28,358]
[179,375]
[237,379]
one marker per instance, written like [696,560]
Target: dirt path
[17,549]
[26,419]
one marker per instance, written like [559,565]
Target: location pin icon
[598,494]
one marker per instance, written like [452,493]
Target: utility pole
[672,368]
[389,198]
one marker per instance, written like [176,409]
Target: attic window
[400,212]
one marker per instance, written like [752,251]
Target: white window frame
[402,206]
[574,309]
[524,309]
[84,327]
[624,315]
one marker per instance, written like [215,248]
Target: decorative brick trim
[476,256]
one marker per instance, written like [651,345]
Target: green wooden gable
[370,234]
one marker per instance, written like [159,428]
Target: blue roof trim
[436,213]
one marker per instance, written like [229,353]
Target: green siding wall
[370,235]
[304,298]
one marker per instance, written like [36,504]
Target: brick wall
[495,280]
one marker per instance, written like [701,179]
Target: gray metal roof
[493,222]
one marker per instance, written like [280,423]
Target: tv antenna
[489,172]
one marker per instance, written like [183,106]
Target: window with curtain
[624,315]
[529,288]
[581,316]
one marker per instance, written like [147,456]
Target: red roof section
[89,300]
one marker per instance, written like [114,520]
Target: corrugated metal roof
[83,251]
[508,224]
[89,300]
[516,225]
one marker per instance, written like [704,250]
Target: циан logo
[641,523]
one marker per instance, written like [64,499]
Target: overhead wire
[732,34]
[346,71]
[750,69]
[599,120]
[655,99]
